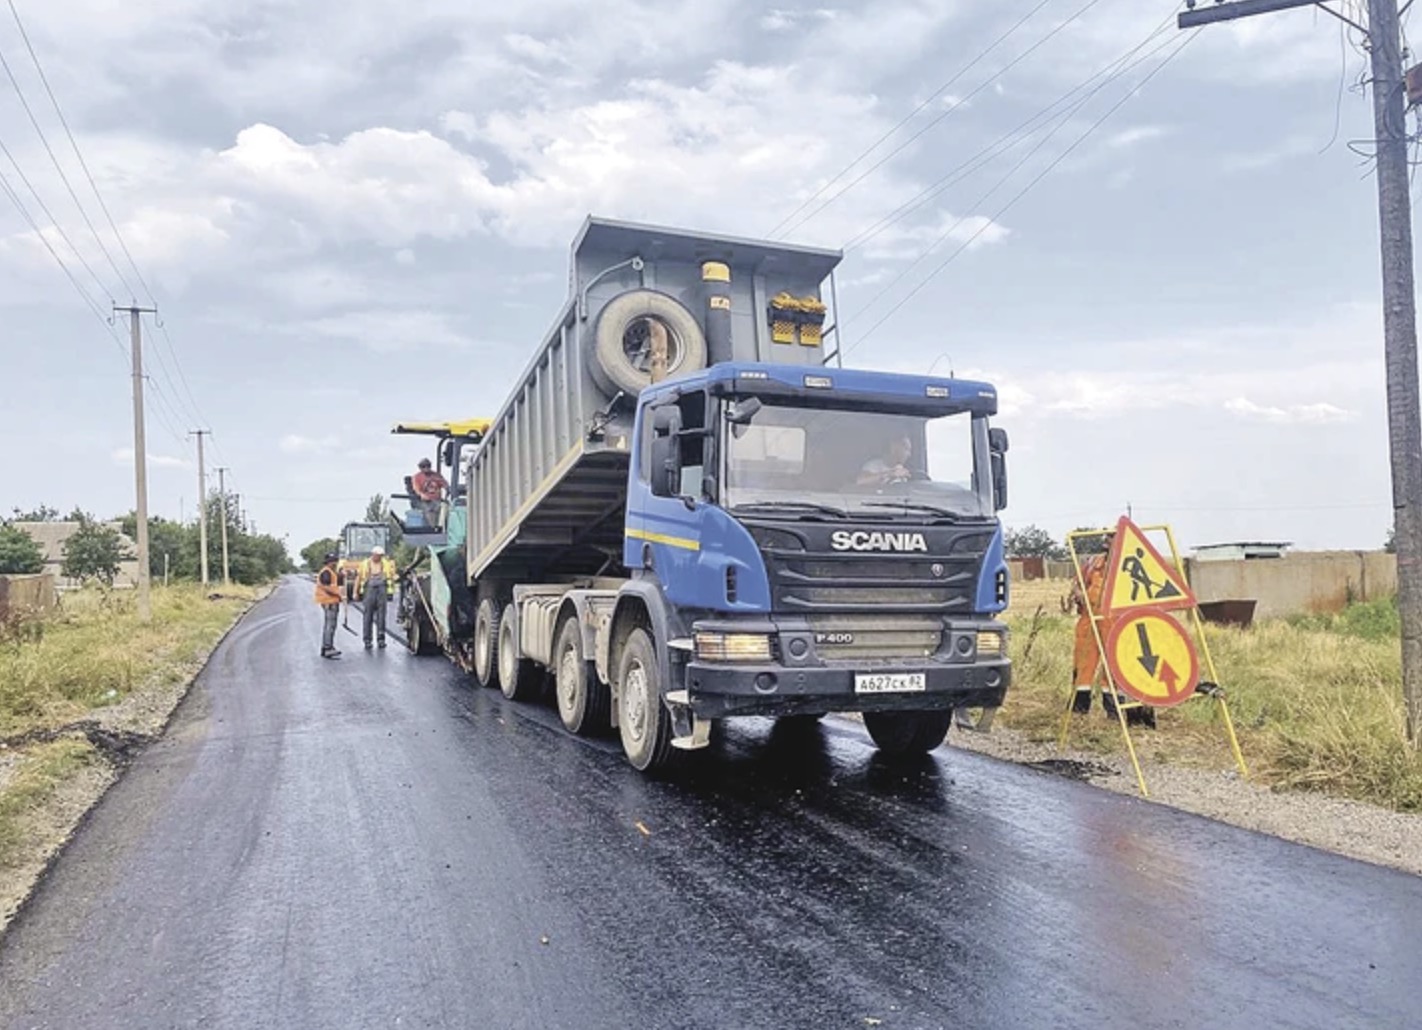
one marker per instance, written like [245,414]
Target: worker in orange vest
[373,583]
[1087,668]
[328,596]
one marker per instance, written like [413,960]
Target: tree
[44,513]
[1033,542]
[94,551]
[168,543]
[1390,544]
[376,510]
[1095,544]
[19,554]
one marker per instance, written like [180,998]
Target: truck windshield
[361,540]
[856,462]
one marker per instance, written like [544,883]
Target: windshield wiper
[931,509]
[802,506]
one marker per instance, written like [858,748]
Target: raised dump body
[547,489]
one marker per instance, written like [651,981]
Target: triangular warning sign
[1138,576]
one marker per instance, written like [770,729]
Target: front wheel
[642,719]
[908,733]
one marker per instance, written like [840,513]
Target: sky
[350,214]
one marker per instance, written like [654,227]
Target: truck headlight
[989,644]
[733,647]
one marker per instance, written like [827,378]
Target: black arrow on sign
[1148,659]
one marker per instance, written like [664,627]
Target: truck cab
[823,540]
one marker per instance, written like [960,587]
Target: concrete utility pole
[1384,39]
[202,504]
[140,459]
[222,489]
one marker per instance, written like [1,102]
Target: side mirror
[997,441]
[999,481]
[742,411]
[665,470]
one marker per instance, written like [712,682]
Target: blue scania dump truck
[687,511]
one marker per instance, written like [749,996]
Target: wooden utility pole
[1384,40]
[222,490]
[202,504]
[140,460]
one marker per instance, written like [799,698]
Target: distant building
[1240,551]
[51,537]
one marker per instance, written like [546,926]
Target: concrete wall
[26,596]
[1304,581]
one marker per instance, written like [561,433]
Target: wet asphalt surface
[375,843]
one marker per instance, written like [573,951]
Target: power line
[44,140]
[909,117]
[44,79]
[974,92]
[1061,123]
[54,222]
[1022,193]
[1007,141]
[68,273]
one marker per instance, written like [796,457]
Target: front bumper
[717,689]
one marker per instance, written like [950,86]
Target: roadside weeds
[79,698]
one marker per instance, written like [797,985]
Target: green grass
[95,652]
[1316,701]
[42,771]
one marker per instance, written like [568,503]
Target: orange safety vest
[328,589]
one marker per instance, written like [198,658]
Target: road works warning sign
[1152,658]
[1138,576]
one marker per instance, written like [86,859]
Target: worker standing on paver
[328,596]
[1087,668]
[430,488]
[373,585]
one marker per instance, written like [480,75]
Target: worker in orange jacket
[1087,668]
[328,596]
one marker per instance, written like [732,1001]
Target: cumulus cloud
[124,456]
[1318,413]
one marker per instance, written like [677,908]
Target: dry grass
[1317,701]
[95,652]
[42,771]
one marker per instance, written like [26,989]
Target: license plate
[889,682]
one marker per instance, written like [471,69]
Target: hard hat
[377,550]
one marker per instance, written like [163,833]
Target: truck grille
[858,638]
[807,577]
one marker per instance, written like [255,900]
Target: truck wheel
[419,636]
[518,677]
[642,719]
[584,702]
[621,358]
[908,733]
[486,643]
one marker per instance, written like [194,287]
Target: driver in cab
[891,467]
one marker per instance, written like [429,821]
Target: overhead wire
[908,117]
[935,121]
[1062,121]
[44,141]
[1022,193]
[78,154]
[1003,143]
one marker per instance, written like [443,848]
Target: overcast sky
[352,214]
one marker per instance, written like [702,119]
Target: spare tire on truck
[622,357]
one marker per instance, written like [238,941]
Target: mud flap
[688,732]
[981,722]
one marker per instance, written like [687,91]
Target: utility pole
[202,504]
[222,489]
[140,459]
[1384,41]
